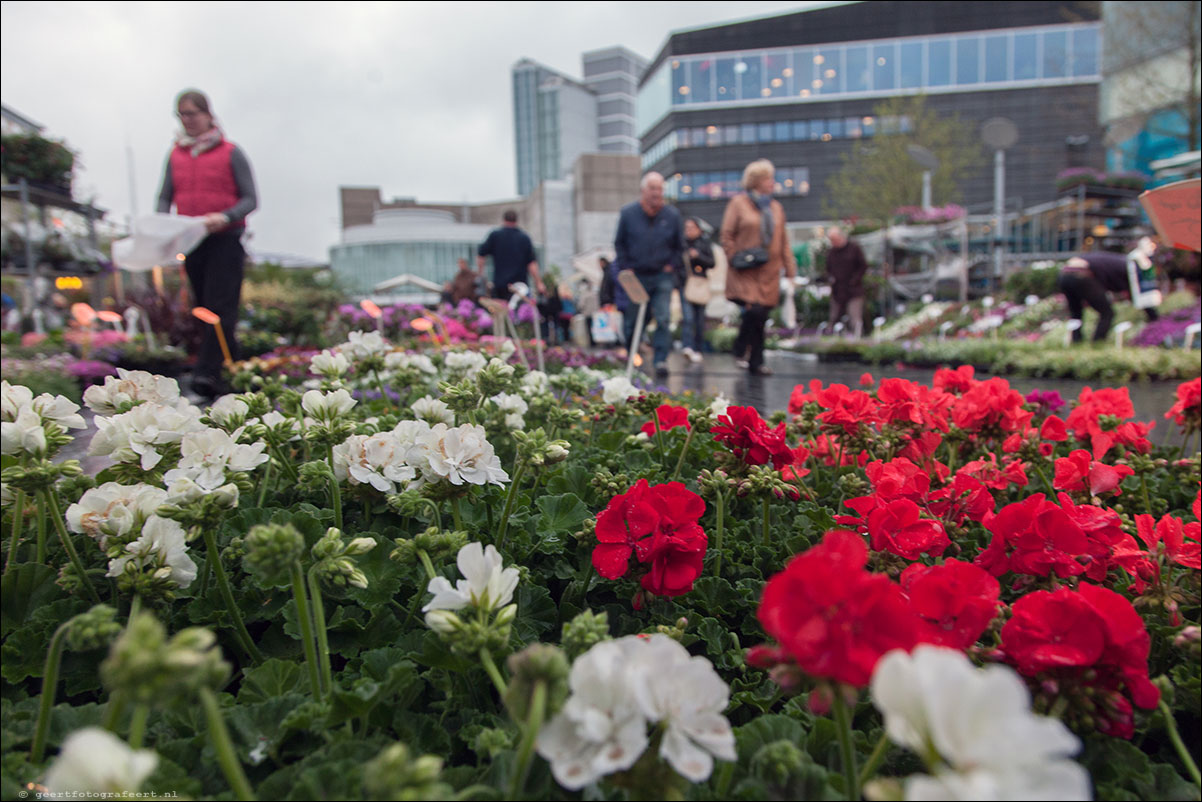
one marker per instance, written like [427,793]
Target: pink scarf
[199,144]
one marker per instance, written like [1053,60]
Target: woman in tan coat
[757,289]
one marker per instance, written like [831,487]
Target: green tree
[878,175]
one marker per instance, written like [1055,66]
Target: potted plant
[44,163]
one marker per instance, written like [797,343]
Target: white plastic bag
[158,240]
[606,324]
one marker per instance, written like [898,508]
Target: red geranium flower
[669,417]
[1102,417]
[1187,412]
[835,619]
[1172,537]
[1091,637]
[992,409]
[954,381]
[1034,537]
[957,599]
[1078,472]
[747,435]
[659,526]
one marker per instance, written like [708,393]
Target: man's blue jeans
[659,286]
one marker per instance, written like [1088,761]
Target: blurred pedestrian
[649,241]
[208,176]
[463,286]
[1086,279]
[695,291]
[757,247]
[513,259]
[846,266]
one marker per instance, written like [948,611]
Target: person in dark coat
[1086,278]
[846,266]
[698,259]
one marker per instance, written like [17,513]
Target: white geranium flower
[161,544]
[487,583]
[1058,779]
[131,387]
[377,460]
[229,412]
[673,686]
[979,723]
[182,489]
[330,364]
[326,407]
[24,434]
[281,425]
[12,398]
[600,729]
[465,364]
[513,407]
[407,432]
[720,405]
[94,761]
[113,510]
[432,411]
[617,390]
[419,362]
[459,455]
[60,409]
[535,383]
[134,436]
[362,344]
[205,456]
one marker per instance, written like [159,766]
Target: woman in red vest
[208,176]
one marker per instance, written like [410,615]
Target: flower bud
[271,550]
[584,632]
[395,774]
[537,663]
[444,622]
[506,615]
[93,629]
[360,545]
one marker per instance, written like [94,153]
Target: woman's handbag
[697,290]
[749,258]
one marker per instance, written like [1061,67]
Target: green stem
[434,512]
[18,519]
[767,520]
[509,498]
[1143,480]
[305,618]
[455,514]
[47,498]
[112,715]
[135,607]
[1043,477]
[1174,736]
[874,760]
[719,528]
[335,490]
[266,480]
[319,624]
[380,385]
[429,566]
[54,659]
[137,725]
[847,751]
[227,595]
[40,552]
[683,453]
[493,672]
[286,465]
[534,722]
[224,747]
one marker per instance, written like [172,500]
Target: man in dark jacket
[846,266]
[1086,278]
[513,259]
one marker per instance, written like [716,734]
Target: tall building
[613,74]
[554,121]
[800,88]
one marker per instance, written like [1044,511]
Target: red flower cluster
[834,618]
[1091,637]
[1040,538]
[1102,417]
[992,409]
[957,599]
[1187,412]
[659,525]
[1078,472]
[668,417]
[747,435]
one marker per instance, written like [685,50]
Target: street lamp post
[999,133]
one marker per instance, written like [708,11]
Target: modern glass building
[800,88]
[613,74]
[554,123]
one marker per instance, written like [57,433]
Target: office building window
[727,79]
[1025,57]
[776,75]
[911,65]
[751,76]
[829,70]
[1055,54]
[859,77]
[701,73]
[997,58]
[1085,52]
[884,66]
[939,63]
[968,60]
[803,73]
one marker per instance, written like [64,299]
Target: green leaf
[273,678]
[24,651]
[537,613]
[23,589]
[564,514]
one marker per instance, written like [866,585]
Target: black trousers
[751,334]
[215,271]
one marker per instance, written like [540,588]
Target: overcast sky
[412,97]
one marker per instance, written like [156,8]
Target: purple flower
[91,369]
[1045,402]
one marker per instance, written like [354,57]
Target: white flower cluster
[94,762]
[513,407]
[975,729]
[399,360]
[432,411]
[205,458]
[327,407]
[161,547]
[618,688]
[618,390]
[22,418]
[131,387]
[464,364]
[535,383]
[330,364]
[362,344]
[415,452]
[135,436]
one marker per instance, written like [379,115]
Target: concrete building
[613,75]
[564,217]
[800,88]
